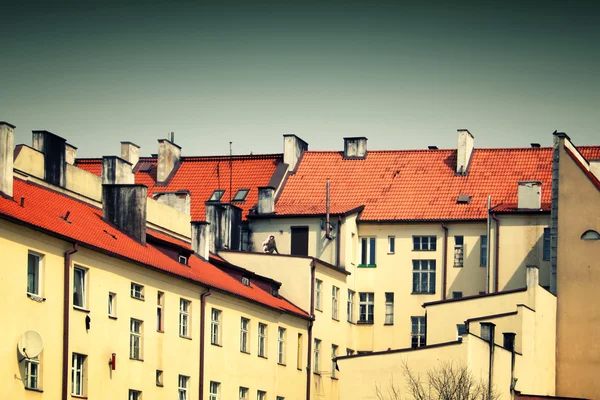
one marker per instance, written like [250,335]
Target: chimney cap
[266,187]
[465,130]
[116,157]
[432,147]
[7,124]
[535,145]
[45,131]
[561,135]
[529,182]
[71,146]
[168,141]
[356,138]
[131,143]
[124,185]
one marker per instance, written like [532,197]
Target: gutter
[313,268]
[497,251]
[445,260]
[203,297]
[66,302]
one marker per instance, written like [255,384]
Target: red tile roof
[416,185]
[201,176]
[43,208]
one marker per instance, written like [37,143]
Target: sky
[404,74]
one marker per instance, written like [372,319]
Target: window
[214,391]
[260,395]
[317,350]
[318,287]
[456,295]
[215,334]
[244,393]
[160,304]
[590,235]
[32,373]
[281,346]
[262,340]
[34,274]
[391,244]
[79,275]
[241,195]
[184,317]
[335,293]
[349,352]
[183,260]
[244,335]
[389,308]
[459,250]
[135,394]
[417,332]
[299,353]
[423,276]
[334,350]
[112,304]
[280,398]
[367,251]
[350,306]
[159,378]
[424,243]
[135,339]
[78,375]
[216,196]
[483,251]
[461,329]
[245,281]
[299,241]
[366,307]
[546,244]
[183,387]
[137,291]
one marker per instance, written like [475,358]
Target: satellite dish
[30,344]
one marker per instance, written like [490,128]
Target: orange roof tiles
[416,185]
[201,176]
[43,209]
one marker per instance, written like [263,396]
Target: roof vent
[535,145]
[432,147]
[145,167]
[463,199]
[355,147]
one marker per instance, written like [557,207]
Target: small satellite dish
[30,344]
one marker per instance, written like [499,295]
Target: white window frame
[419,244]
[84,279]
[368,251]
[483,244]
[335,295]
[78,366]
[182,386]
[243,393]
[424,276]
[183,260]
[136,339]
[137,291]
[318,294]
[420,333]
[244,335]
[459,251]
[215,325]
[112,304]
[35,292]
[135,394]
[262,340]
[334,349]
[391,244]
[160,311]
[350,305]
[214,389]
[32,373]
[159,378]
[299,351]
[184,317]
[366,307]
[389,308]
[316,352]
[281,345]
[261,395]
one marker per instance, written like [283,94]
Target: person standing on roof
[269,245]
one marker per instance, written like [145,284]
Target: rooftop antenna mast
[230,170]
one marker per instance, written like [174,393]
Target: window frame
[38,274]
[546,244]
[316,353]
[135,394]
[160,311]
[84,284]
[184,318]
[350,305]
[334,349]
[215,326]
[182,386]
[428,245]
[389,305]
[261,395]
[299,351]
[78,369]
[262,340]
[31,364]
[137,294]
[112,305]
[369,308]
[243,393]
[430,273]
[243,198]
[420,333]
[318,294]
[136,336]
[214,389]
[368,252]
[483,244]
[281,353]
[159,378]
[335,295]
[459,251]
[391,244]
[245,335]
[218,193]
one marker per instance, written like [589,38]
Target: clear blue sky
[406,75]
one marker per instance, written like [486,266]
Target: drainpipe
[497,251]
[313,268]
[339,242]
[488,233]
[203,297]
[445,260]
[66,314]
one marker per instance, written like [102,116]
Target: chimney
[595,168]
[54,149]
[487,332]
[7,146]
[293,149]
[70,153]
[355,147]
[225,222]
[168,157]
[201,239]
[464,151]
[266,200]
[117,171]
[533,276]
[530,195]
[130,152]
[180,200]
[125,207]
[509,341]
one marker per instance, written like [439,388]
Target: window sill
[424,250]
[335,319]
[458,266]
[37,298]
[216,344]
[138,298]
[317,309]
[244,352]
[85,310]
[390,253]
[333,378]
[483,266]
[185,337]
[283,365]
[317,373]
[78,397]
[364,323]
[160,331]
[299,369]
[34,389]
[112,317]
[265,357]
[367,266]
[389,324]
[352,322]
[136,359]
[160,385]
[422,293]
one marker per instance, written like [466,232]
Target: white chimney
[530,195]
[130,152]
[70,153]
[355,147]
[595,168]
[266,200]
[201,239]
[464,151]
[7,146]
[168,157]
[293,149]
[116,171]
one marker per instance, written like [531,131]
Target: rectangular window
[459,250]
[367,248]
[335,294]
[299,241]
[215,322]
[245,281]
[216,195]
[135,394]
[135,339]
[391,244]
[460,330]
[183,387]
[280,398]
[317,351]
[261,395]
[159,378]
[137,291]
[350,305]
[262,340]
[34,262]
[183,260]
[456,295]
[160,304]
[32,373]
[483,251]
[318,289]
[546,244]
[78,375]
[424,243]
[281,346]
[244,393]
[423,276]
[244,335]
[418,332]
[184,317]
[112,304]
[389,308]
[334,350]
[214,391]
[366,307]
[299,353]
[79,287]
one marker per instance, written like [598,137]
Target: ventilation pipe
[7,144]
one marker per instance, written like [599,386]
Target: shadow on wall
[470,279]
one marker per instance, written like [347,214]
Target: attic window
[245,281]
[274,291]
[216,196]
[463,199]
[183,260]
[241,195]
[590,235]
[145,167]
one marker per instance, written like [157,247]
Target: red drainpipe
[66,314]
[497,251]
[310,325]
[203,297]
[445,261]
